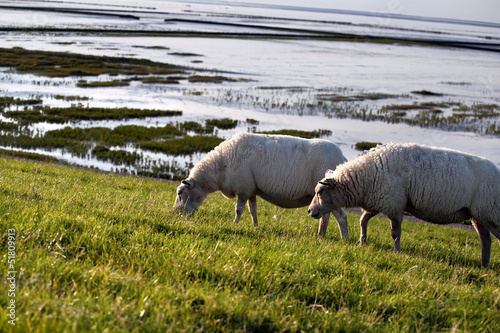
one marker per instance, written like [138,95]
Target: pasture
[98,252]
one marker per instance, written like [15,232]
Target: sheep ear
[327,182]
[187,182]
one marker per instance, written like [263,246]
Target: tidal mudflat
[148,90]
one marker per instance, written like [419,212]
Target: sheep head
[189,196]
[322,202]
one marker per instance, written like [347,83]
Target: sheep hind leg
[485,238]
[240,206]
[396,233]
[252,206]
[364,226]
[494,228]
[342,223]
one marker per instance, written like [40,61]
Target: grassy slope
[100,252]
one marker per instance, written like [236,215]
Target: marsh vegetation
[104,143]
[441,113]
[79,112]
[364,145]
[64,64]
[301,134]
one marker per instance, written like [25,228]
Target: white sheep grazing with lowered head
[436,185]
[280,169]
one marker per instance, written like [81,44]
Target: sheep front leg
[364,226]
[323,224]
[342,223]
[485,238]
[252,206]
[396,233]
[240,206]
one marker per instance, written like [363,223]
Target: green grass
[102,252]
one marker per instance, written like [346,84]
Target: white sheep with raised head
[280,169]
[434,184]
